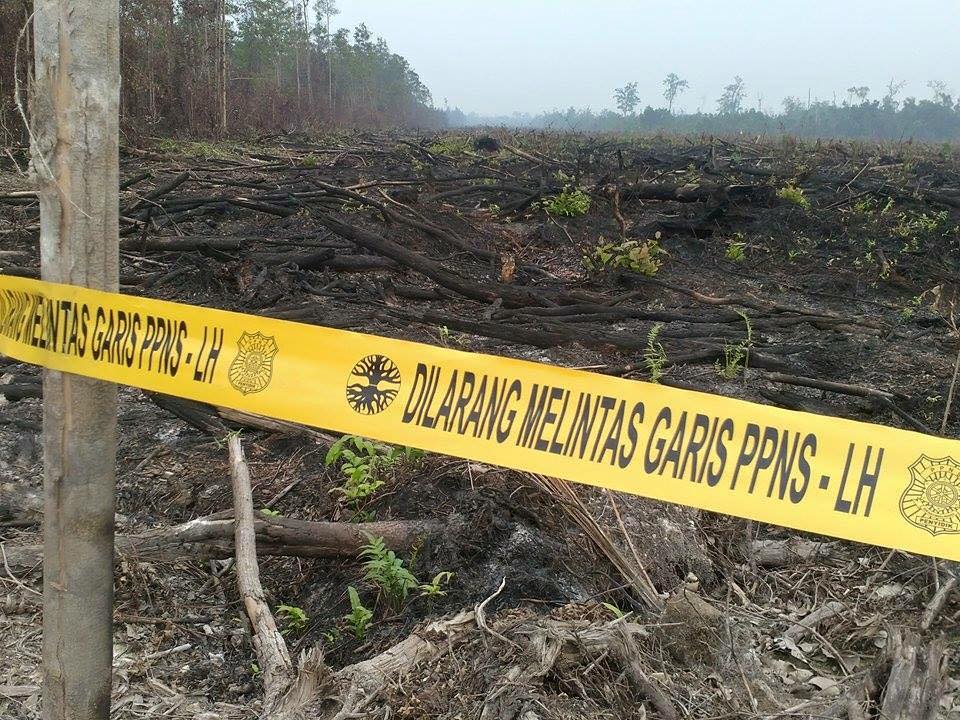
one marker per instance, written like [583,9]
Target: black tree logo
[373,384]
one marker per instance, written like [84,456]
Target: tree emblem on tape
[373,384]
[252,368]
[932,499]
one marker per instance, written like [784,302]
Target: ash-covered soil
[831,262]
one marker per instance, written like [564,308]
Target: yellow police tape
[837,477]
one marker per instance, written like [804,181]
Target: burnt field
[813,276]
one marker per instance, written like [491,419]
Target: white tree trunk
[75,134]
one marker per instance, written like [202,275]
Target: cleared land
[834,268]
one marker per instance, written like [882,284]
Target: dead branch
[793,550]
[917,678]
[211,538]
[271,649]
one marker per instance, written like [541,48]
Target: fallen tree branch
[211,538]
[271,649]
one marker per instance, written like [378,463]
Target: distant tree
[894,89]
[792,105]
[860,92]
[731,101]
[941,93]
[326,9]
[627,98]
[265,34]
[673,87]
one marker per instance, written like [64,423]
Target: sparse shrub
[641,257]
[199,148]
[911,227]
[363,461]
[909,310]
[654,356]
[614,610]
[736,357]
[451,146]
[869,206]
[384,569]
[736,251]
[434,588]
[359,617]
[794,195]
[293,618]
[447,338]
[569,203]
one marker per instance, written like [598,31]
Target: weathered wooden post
[74,118]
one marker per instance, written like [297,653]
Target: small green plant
[434,588]
[330,636]
[363,461]
[293,618]
[569,203]
[384,569]
[356,208]
[310,161]
[640,257]
[447,338]
[200,149]
[654,356]
[911,227]
[268,512]
[451,146]
[909,310]
[736,357]
[736,251]
[794,195]
[614,610]
[359,617]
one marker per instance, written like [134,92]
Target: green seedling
[359,617]
[384,569]
[435,587]
[639,257]
[794,195]
[654,356]
[736,357]
[569,203]
[293,618]
[736,251]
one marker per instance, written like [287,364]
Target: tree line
[212,67]
[934,118]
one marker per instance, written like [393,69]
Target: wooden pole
[75,160]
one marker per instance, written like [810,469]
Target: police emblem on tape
[373,384]
[252,368]
[932,499]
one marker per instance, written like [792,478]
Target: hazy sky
[501,56]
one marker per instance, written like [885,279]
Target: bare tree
[894,88]
[326,9]
[731,101]
[860,92]
[222,67]
[75,162]
[627,98]
[941,93]
[673,87]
